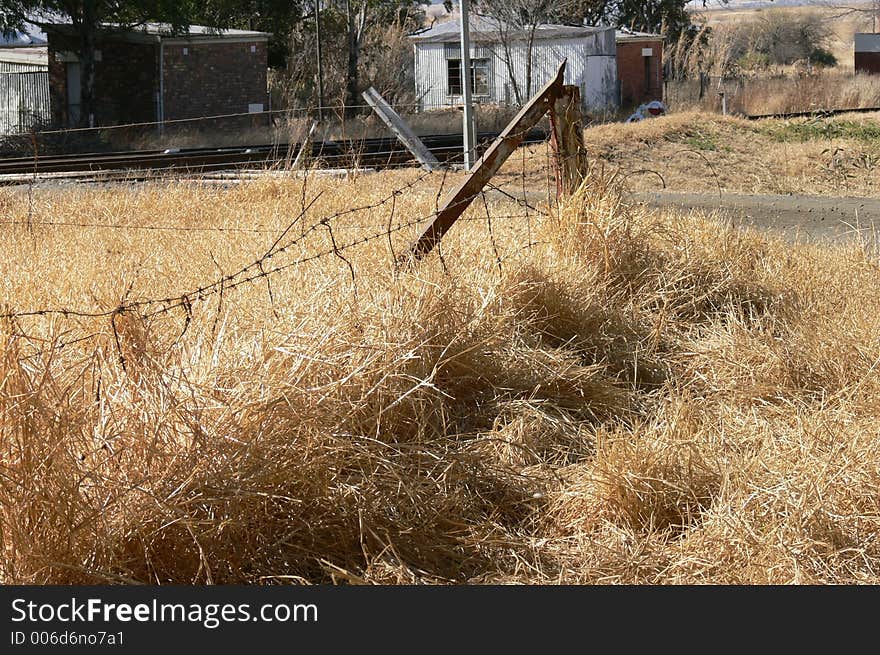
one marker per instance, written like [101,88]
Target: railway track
[374,153]
[814,113]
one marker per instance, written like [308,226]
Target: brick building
[639,67]
[866,53]
[148,75]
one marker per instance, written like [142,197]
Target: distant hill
[697,5]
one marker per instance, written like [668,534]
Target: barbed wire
[277,248]
[263,266]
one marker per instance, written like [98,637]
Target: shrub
[780,38]
[822,57]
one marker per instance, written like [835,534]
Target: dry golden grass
[822,90]
[790,93]
[290,128]
[637,397]
[694,151]
[755,89]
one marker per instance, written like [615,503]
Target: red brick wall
[867,62]
[126,81]
[634,88]
[214,78]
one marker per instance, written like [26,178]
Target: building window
[479,77]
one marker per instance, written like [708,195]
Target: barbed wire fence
[267,264]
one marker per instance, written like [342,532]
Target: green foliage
[754,61]
[89,14]
[668,17]
[701,141]
[700,136]
[822,57]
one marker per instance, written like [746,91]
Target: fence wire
[267,264]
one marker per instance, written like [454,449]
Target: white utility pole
[469,136]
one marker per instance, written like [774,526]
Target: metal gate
[24,101]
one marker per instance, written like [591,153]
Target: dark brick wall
[126,81]
[867,62]
[57,86]
[634,88]
[214,78]
[211,79]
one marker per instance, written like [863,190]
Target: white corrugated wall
[591,65]
[430,75]
[24,101]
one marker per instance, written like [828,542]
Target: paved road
[812,218]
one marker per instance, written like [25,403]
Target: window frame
[457,89]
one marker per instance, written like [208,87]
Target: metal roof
[623,35]
[486,29]
[866,42]
[163,31]
[31,56]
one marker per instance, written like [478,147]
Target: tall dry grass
[636,398]
[819,91]
[283,128]
[779,94]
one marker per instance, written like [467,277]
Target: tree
[358,15]
[88,19]
[776,37]
[668,17]
[517,21]
[359,39]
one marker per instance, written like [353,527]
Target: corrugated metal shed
[24,89]
[14,60]
[24,101]
[500,63]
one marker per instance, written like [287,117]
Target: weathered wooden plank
[401,130]
[488,165]
[567,136]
